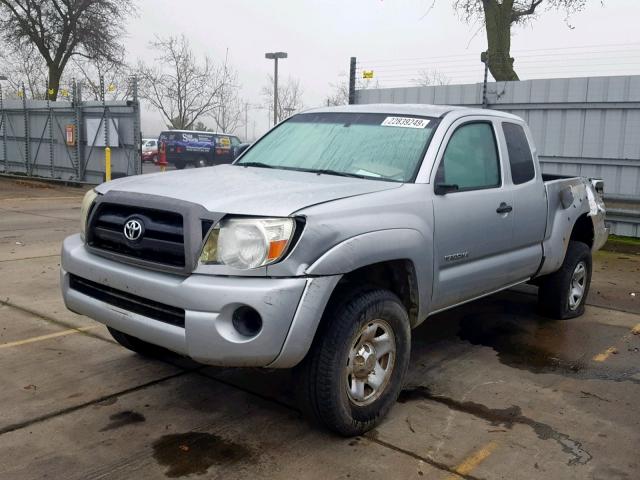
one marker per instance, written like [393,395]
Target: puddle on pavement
[526,341]
[538,347]
[193,453]
[503,417]
[121,419]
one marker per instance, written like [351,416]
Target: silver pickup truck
[327,241]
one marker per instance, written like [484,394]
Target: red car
[149,150]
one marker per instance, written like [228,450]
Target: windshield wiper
[255,164]
[338,173]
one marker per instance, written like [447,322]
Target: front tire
[563,294]
[355,369]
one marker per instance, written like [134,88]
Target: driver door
[473,217]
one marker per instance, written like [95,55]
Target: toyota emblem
[133,230]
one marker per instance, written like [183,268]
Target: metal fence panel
[33,139]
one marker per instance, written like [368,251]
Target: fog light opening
[247,321]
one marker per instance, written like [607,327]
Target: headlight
[247,243]
[87,201]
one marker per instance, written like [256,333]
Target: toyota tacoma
[327,241]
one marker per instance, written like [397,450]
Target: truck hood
[247,190]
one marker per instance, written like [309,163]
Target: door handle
[504,208]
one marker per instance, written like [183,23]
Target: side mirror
[238,150]
[444,188]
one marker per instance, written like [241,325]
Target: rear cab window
[520,158]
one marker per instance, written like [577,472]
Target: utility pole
[484,58]
[352,80]
[275,56]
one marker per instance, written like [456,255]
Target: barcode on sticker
[406,122]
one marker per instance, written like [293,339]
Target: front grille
[127,301]
[162,241]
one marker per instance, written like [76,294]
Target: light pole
[275,56]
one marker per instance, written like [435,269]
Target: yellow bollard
[107,164]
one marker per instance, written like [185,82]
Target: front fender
[380,246]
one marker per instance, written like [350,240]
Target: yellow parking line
[601,357]
[472,461]
[46,337]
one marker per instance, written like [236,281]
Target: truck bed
[549,177]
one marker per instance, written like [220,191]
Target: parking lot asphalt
[494,391]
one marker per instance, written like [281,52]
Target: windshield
[367,145]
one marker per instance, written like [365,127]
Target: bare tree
[201,127]
[62,29]
[116,84]
[26,68]
[498,17]
[289,96]
[228,115]
[339,94]
[426,78]
[183,87]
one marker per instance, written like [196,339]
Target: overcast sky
[395,38]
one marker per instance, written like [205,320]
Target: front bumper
[290,308]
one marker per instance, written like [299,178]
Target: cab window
[471,160]
[520,158]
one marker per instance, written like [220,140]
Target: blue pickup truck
[200,149]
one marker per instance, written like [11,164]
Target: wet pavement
[494,390]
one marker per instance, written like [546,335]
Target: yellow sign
[367,74]
[111,88]
[64,92]
[51,91]
[225,141]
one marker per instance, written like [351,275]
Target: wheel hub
[577,286]
[365,361]
[370,362]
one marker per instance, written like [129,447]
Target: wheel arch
[583,230]
[400,260]
[363,263]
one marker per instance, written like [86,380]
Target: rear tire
[179,165]
[355,369]
[134,344]
[201,162]
[563,294]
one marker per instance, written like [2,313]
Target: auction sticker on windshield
[406,122]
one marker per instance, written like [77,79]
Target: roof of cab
[413,109]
